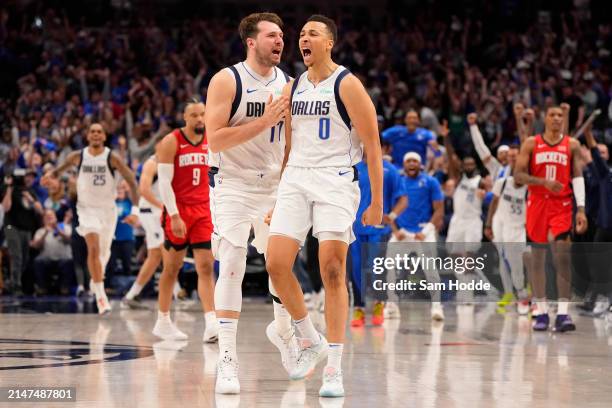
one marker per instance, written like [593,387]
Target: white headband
[412,155]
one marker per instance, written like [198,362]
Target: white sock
[227,336]
[282,319]
[210,318]
[334,355]
[134,291]
[542,306]
[163,315]
[308,330]
[98,289]
[562,306]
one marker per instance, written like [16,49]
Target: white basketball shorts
[237,205]
[150,219]
[325,199]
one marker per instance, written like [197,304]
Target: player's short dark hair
[411,110]
[329,23]
[552,107]
[248,26]
[194,100]
[515,146]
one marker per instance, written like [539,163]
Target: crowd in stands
[60,74]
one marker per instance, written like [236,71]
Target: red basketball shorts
[198,223]
[548,213]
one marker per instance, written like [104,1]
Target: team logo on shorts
[24,354]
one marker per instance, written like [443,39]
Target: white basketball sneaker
[165,329]
[288,347]
[227,376]
[310,355]
[211,332]
[523,306]
[392,311]
[332,383]
[437,312]
[103,304]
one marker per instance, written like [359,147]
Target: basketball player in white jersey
[508,210]
[499,169]
[466,223]
[245,130]
[319,188]
[465,227]
[150,210]
[96,208]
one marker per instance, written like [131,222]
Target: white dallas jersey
[511,208]
[144,203]
[321,131]
[96,184]
[466,203]
[264,153]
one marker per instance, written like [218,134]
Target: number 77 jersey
[190,181]
[321,131]
[552,162]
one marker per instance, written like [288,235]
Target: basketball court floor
[476,358]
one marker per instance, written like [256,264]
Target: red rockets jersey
[190,181]
[552,162]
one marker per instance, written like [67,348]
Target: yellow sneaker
[506,300]
[378,316]
[358,318]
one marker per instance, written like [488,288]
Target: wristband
[135,211]
[579,191]
[392,216]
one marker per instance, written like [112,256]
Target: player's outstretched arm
[454,164]
[149,169]
[483,151]
[565,108]
[362,113]
[127,174]
[73,159]
[220,135]
[522,131]
[600,166]
[529,116]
